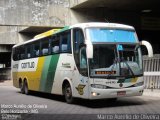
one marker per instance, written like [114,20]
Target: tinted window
[45,46]
[78,39]
[28,51]
[36,49]
[66,41]
[58,43]
[21,53]
[83,62]
[55,44]
[79,51]
[15,54]
[18,53]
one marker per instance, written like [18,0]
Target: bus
[85,60]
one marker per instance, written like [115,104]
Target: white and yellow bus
[86,60]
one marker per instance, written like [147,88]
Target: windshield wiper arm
[129,67]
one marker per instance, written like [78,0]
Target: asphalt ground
[40,106]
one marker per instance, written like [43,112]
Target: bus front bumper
[115,93]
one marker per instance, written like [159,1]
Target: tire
[21,86]
[68,94]
[26,91]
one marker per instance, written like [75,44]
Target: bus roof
[79,25]
[102,24]
[45,34]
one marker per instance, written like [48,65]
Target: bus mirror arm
[148,46]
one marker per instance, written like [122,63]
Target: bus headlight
[94,94]
[139,84]
[98,86]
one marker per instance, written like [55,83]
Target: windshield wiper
[128,67]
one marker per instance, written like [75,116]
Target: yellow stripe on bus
[33,78]
[134,80]
[45,34]
[39,72]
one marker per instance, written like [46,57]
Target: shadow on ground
[127,101]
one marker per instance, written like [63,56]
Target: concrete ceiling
[129,5]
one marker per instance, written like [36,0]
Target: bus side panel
[39,76]
[36,76]
[66,70]
[52,71]
[29,70]
[48,73]
[44,73]
[63,72]
[15,78]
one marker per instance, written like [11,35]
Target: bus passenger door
[80,73]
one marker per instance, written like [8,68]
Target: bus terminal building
[21,20]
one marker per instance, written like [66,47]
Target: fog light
[94,94]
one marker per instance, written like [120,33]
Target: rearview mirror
[148,46]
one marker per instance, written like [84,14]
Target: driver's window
[78,39]
[79,51]
[83,58]
[83,62]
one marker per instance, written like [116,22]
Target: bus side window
[78,40]
[66,42]
[45,46]
[55,44]
[15,54]
[18,53]
[36,49]
[83,61]
[28,51]
[21,52]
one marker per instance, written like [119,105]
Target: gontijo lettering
[27,65]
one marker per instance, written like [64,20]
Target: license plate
[121,93]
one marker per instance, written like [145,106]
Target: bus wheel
[26,91]
[68,93]
[21,86]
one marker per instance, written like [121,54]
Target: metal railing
[151,68]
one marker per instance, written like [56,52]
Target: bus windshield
[111,35]
[115,59]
